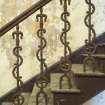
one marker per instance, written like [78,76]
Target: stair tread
[100,44]
[66,90]
[78,69]
[96,55]
[55,79]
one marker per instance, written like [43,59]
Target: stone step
[98,56]
[76,97]
[26,97]
[78,70]
[32,100]
[55,78]
[100,45]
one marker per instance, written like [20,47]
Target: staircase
[89,85]
[85,85]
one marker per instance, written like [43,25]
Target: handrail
[23,16]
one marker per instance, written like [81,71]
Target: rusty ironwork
[65,63]
[18,98]
[41,80]
[90,42]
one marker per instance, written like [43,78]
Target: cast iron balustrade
[42,80]
[90,42]
[65,63]
[18,98]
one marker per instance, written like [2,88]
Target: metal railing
[28,12]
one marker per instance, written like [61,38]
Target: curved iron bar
[18,98]
[42,80]
[65,64]
[90,42]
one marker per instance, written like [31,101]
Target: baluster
[41,80]
[65,63]
[90,42]
[18,98]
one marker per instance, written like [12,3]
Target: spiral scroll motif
[63,37]
[18,98]
[90,42]
[65,63]
[42,80]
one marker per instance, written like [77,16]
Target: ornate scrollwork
[42,80]
[90,42]
[65,64]
[63,37]
[18,98]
